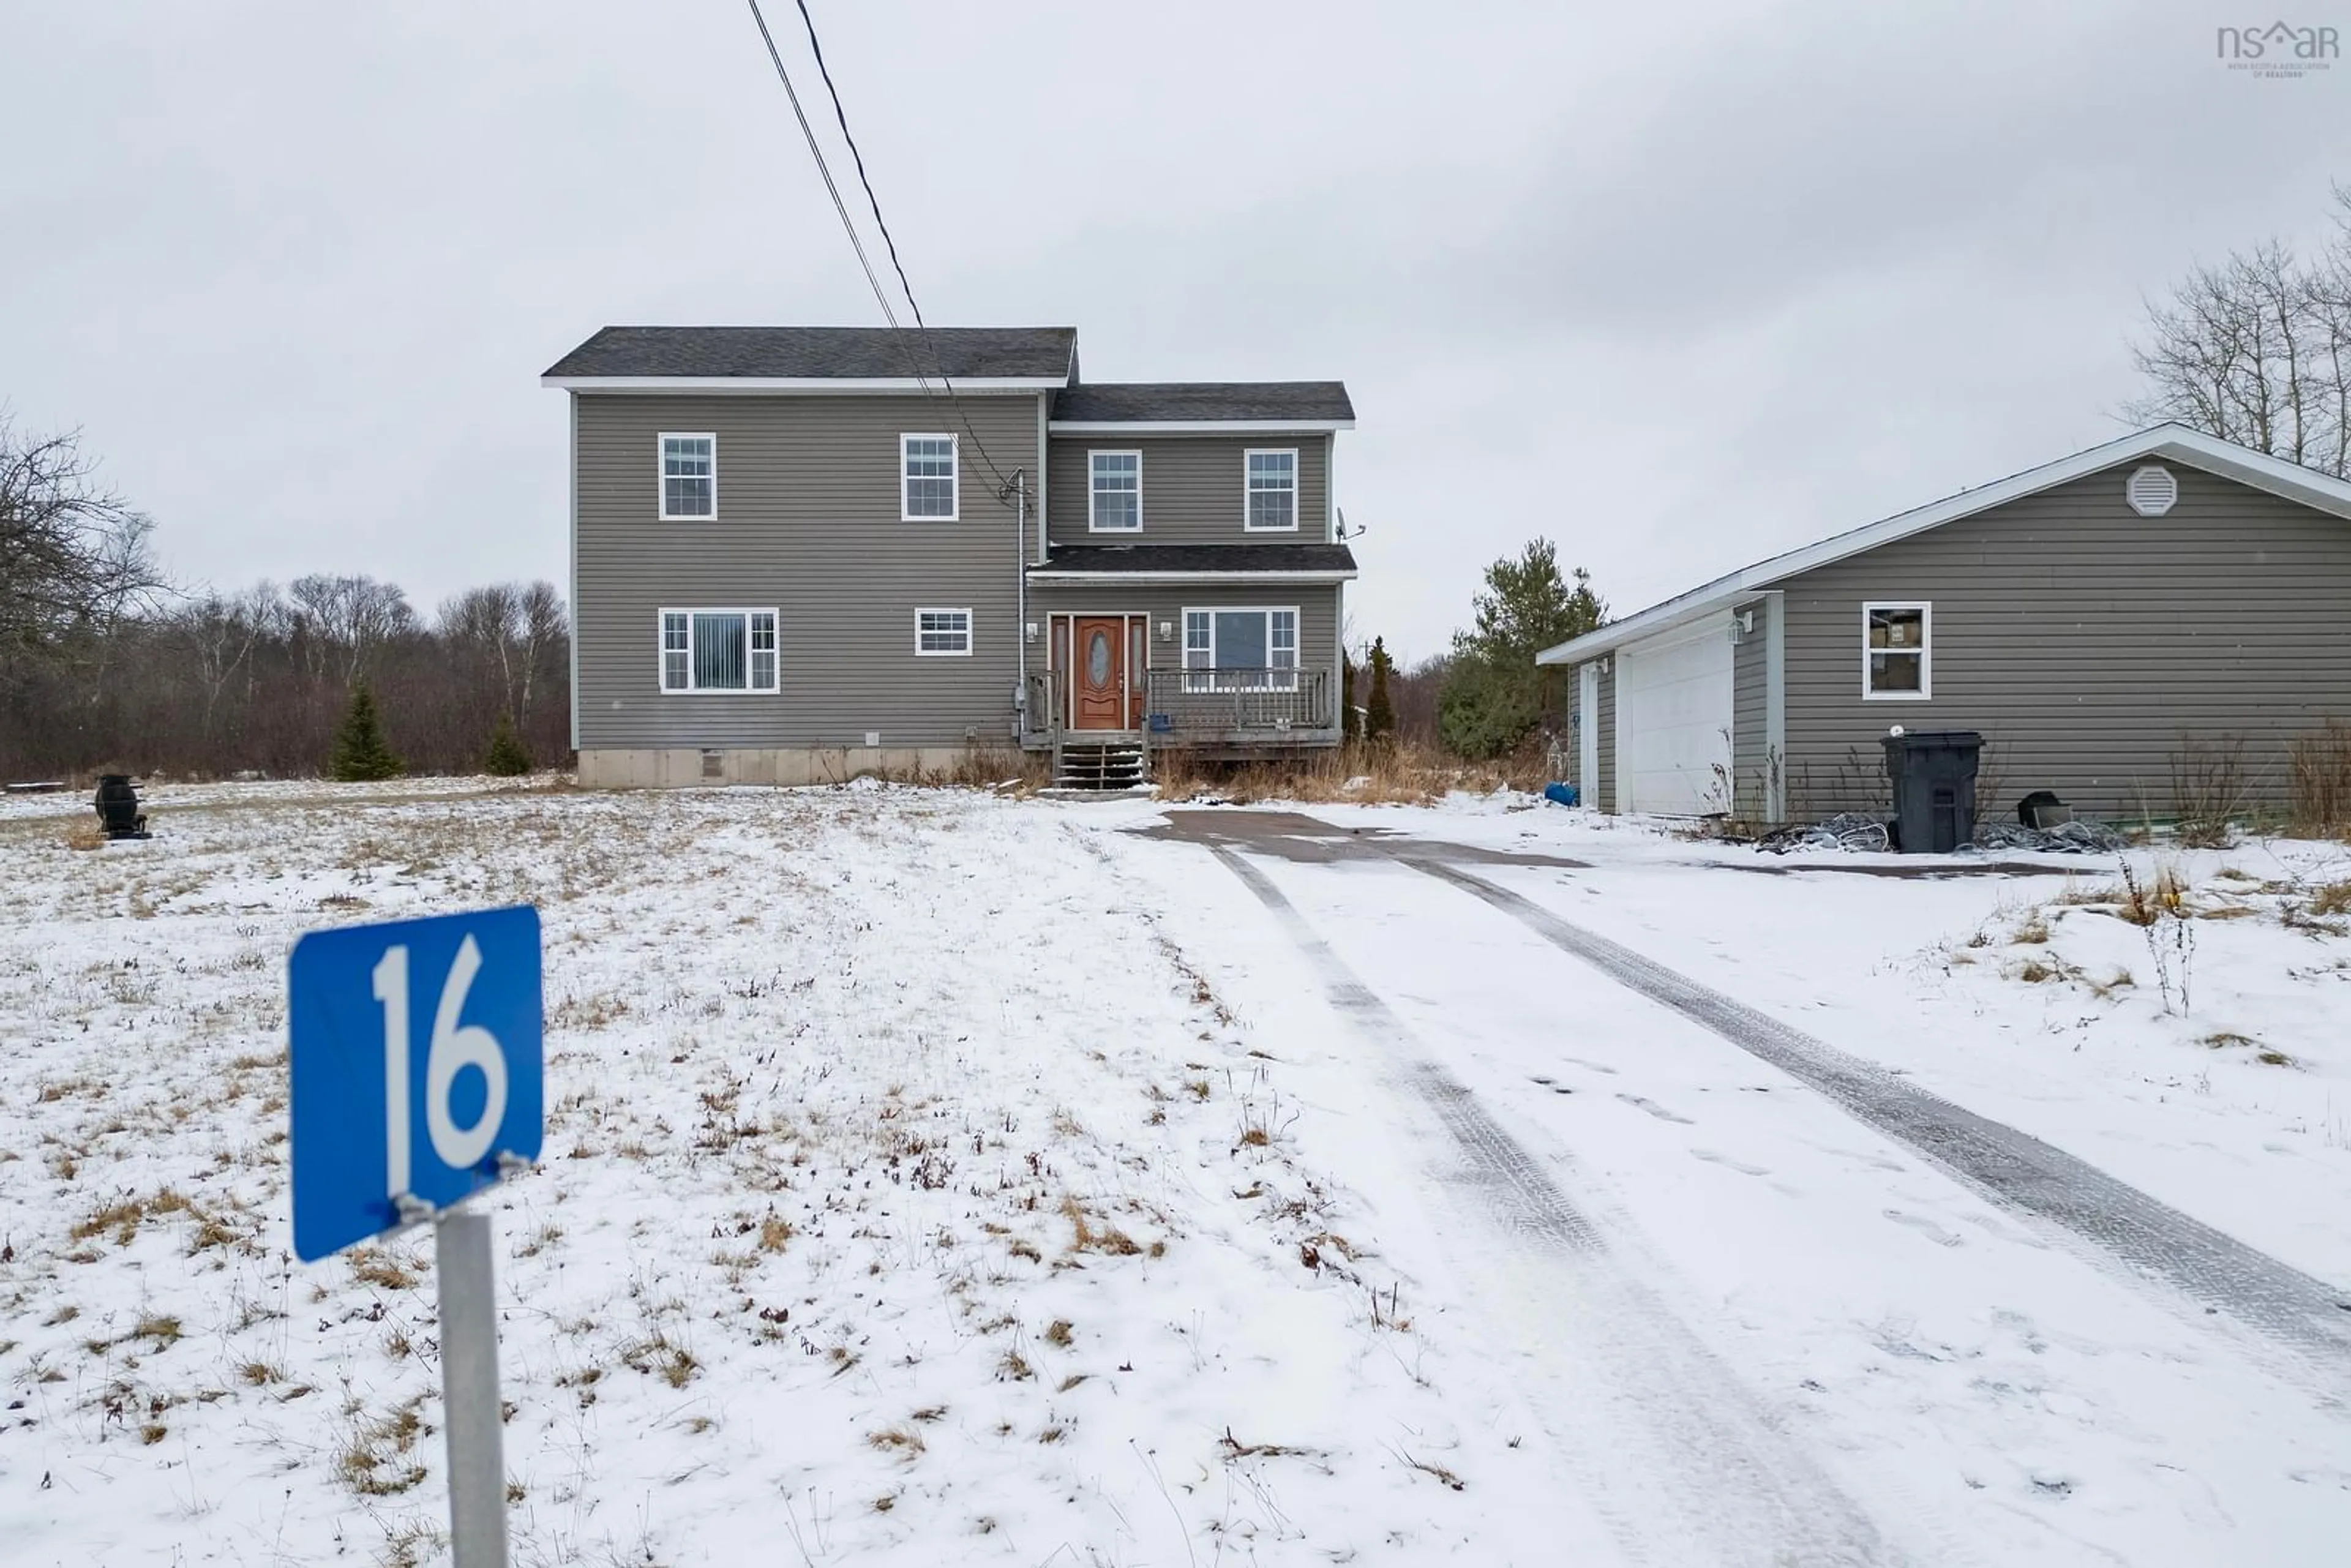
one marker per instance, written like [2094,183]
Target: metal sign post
[469,1385]
[390,1130]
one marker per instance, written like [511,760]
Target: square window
[941,632]
[927,483]
[689,478]
[1116,497]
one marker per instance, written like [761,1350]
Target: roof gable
[2174,442]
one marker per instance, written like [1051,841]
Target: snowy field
[932,1177]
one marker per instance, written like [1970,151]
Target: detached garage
[1674,720]
[2167,596]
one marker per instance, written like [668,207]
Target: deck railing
[1180,706]
[1239,701]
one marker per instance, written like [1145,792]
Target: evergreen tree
[1495,696]
[360,752]
[1351,723]
[1379,712]
[507,758]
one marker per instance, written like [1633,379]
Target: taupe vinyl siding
[1749,702]
[1317,606]
[2085,641]
[808,523]
[1192,489]
[1606,798]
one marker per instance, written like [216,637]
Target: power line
[840,206]
[840,115]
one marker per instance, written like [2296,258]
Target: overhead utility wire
[840,115]
[840,206]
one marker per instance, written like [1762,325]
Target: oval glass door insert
[1098,658]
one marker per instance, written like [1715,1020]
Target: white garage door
[1673,721]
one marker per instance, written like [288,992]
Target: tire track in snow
[1683,1450]
[2012,1168]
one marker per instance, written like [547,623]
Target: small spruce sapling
[360,752]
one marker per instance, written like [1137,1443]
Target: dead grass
[1089,1238]
[2318,771]
[376,1460]
[902,1441]
[1390,772]
[381,1268]
[1057,1334]
[2331,899]
[85,835]
[125,1215]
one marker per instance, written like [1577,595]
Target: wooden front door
[1098,672]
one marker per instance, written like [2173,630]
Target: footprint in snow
[1654,1108]
[1593,1066]
[1554,1085]
[1741,1166]
[1926,1227]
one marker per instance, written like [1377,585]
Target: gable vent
[2151,491]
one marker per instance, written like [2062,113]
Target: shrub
[2208,789]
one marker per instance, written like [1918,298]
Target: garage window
[1896,654]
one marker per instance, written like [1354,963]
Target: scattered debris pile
[1846,830]
[1856,831]
[2071,837]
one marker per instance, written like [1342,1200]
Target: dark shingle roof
[1235,401]
[801,352]
[1147,559]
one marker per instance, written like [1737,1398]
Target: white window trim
[1926,691]
[661,476]
[955,476]
[1184,632]
[1092,453]
[970,631]
[661,661]
[1296,487]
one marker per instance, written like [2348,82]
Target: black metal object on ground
[118,807]
[1933,775]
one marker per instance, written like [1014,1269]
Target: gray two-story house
[801,553]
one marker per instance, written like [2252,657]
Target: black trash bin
[1933,772]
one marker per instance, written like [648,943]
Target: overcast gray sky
[1678,286]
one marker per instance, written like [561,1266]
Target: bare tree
[351,619]
[74,557]
[2257,350]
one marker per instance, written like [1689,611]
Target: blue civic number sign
[417,1068]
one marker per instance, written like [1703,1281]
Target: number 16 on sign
[361,1087]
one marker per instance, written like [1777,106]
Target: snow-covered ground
[934,1178]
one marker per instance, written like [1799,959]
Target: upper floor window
[718,651]
[1272,493]
[1117,494]
[1895,655]
[927,486]
[689,476]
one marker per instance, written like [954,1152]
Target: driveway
[1778,1303]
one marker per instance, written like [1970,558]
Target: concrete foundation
[689,767]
